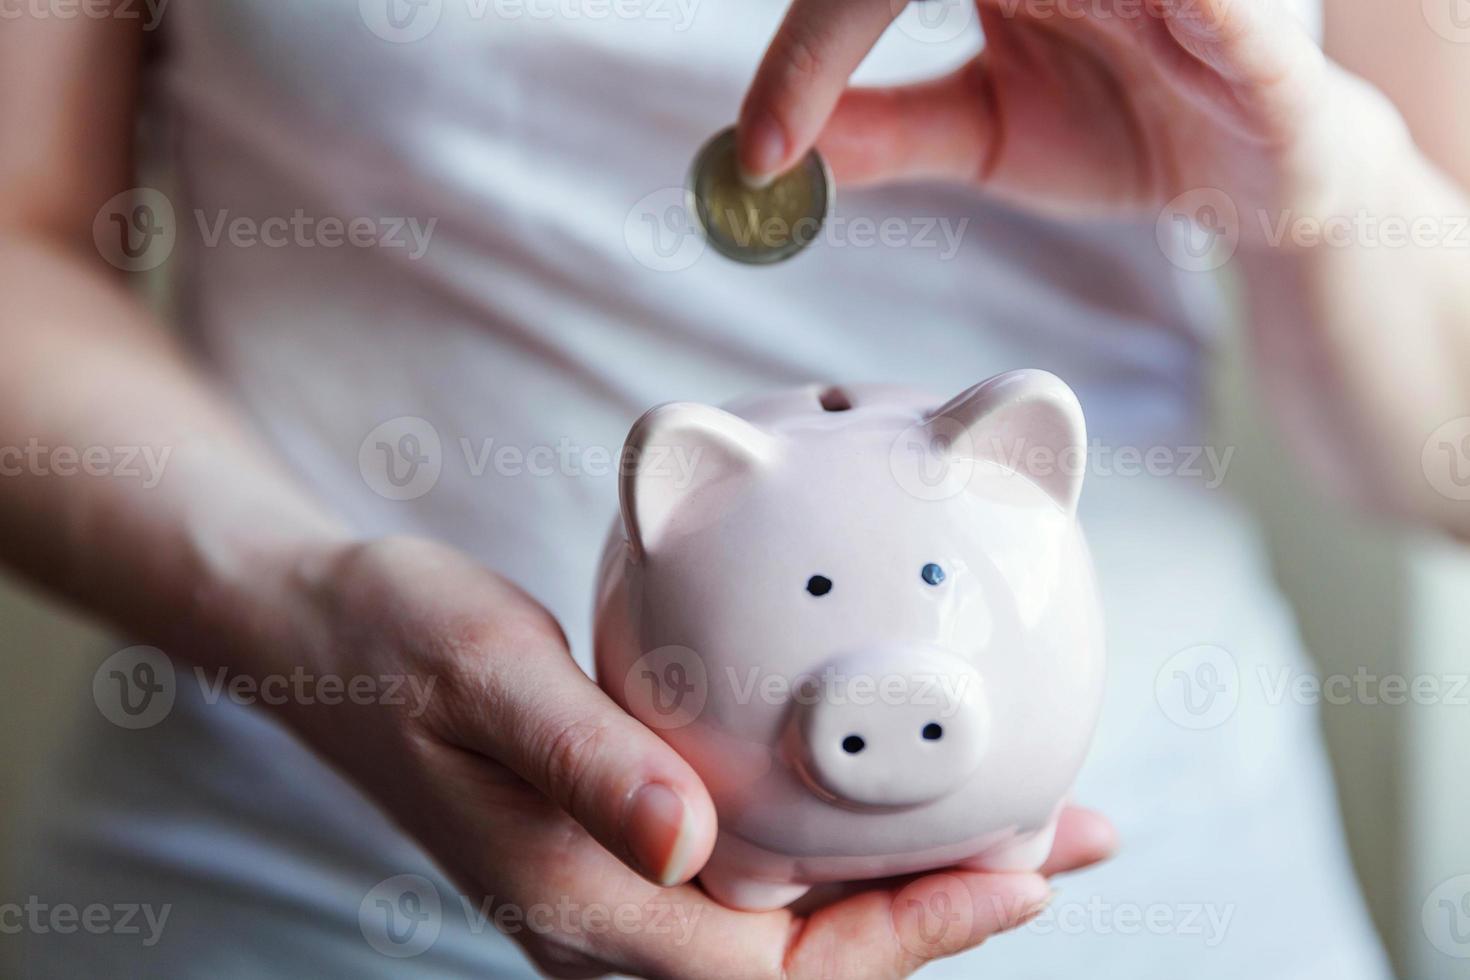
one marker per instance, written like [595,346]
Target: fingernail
[763,147]
[658,832]
[1032,913]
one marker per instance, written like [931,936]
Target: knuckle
[460,652]
[569,762]
[800,63]
[378,558]
[487,697]
[801,55]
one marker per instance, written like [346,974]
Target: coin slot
[834,400]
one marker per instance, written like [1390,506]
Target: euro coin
[757,225]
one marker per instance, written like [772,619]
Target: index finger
[818,46]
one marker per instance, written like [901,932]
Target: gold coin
[757,225]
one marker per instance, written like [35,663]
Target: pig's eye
[819,585]
[932,574]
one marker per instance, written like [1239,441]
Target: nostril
[834,400]
[932,732]
[853,744]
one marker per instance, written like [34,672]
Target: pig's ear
[1028,421]
[678,452]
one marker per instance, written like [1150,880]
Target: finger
[817,48]
[941,129]
[892,932]
[1264,58]
[1245,40]
[546,720]
[658,932]
[1084,837]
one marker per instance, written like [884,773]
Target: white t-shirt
[528,287]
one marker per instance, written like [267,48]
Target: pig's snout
[897,729]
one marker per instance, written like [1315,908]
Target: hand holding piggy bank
[867,620]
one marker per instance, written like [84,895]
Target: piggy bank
[867,618]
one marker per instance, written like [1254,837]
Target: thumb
[941,130]
[551,725]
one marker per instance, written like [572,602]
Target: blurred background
[1369,598]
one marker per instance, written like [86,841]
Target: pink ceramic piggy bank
[866,618]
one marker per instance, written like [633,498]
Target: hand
[1077,106]
[526,783]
